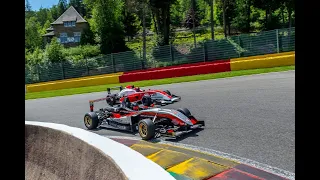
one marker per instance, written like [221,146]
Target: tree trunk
[282,15]
[166,26]
[248,16]
[267,13]
[154,22]
[289,33]
[224,17]
[229,28]
[193,23]
[144,36]
[211,19]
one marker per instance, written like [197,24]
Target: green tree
[44,15]
[87,37]
[269,6]
[131,24]
[177,14]
[107,16]
[27,6]
[55,12]
[211,4]
[35,57]
[79,6]
[54,51]
[226,14]
[62,6]
[198,16]
[161,10]
[243,19]
[33,37]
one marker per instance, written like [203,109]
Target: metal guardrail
[244,45]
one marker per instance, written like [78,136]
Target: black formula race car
[150,122]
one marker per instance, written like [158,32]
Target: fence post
[171,52]
[204,51]
[62,70]
[277,35]
[38,72]
[87,67]
[113,63]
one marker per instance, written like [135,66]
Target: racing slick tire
[168,92]
[91,120]
[146,129]
[184,111]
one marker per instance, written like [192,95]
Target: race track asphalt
[249,116]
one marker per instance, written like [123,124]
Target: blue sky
[36,4]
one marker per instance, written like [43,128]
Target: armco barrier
[74,83]
[265,61]
[205,68]
[174,66]
[56,151]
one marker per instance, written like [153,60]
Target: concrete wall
[55,155]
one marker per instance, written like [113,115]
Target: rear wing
[116,87]
[91,103]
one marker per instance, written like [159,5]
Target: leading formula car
[136,94]
[150,122]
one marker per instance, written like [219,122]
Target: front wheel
[146,129]
[184,111]
[91,120]
[168,92]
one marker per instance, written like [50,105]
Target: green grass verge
[90,89]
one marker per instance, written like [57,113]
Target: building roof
[71,14]
[49,34]
[50,29]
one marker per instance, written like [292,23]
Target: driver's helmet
[130,86]
[126,103]
[137,89]
[146,100]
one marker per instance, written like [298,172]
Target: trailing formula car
[149,122]
[135,94]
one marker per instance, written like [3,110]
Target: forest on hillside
[127,25]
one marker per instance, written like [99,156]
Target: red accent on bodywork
[170,131]
[193,120]
[116,115]
[136,108]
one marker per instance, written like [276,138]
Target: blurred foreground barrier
[55,151]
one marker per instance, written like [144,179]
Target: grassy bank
[90,89]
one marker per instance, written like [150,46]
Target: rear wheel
[91,120]
[184,111]
[146,129]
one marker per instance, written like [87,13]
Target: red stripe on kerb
[234,174]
